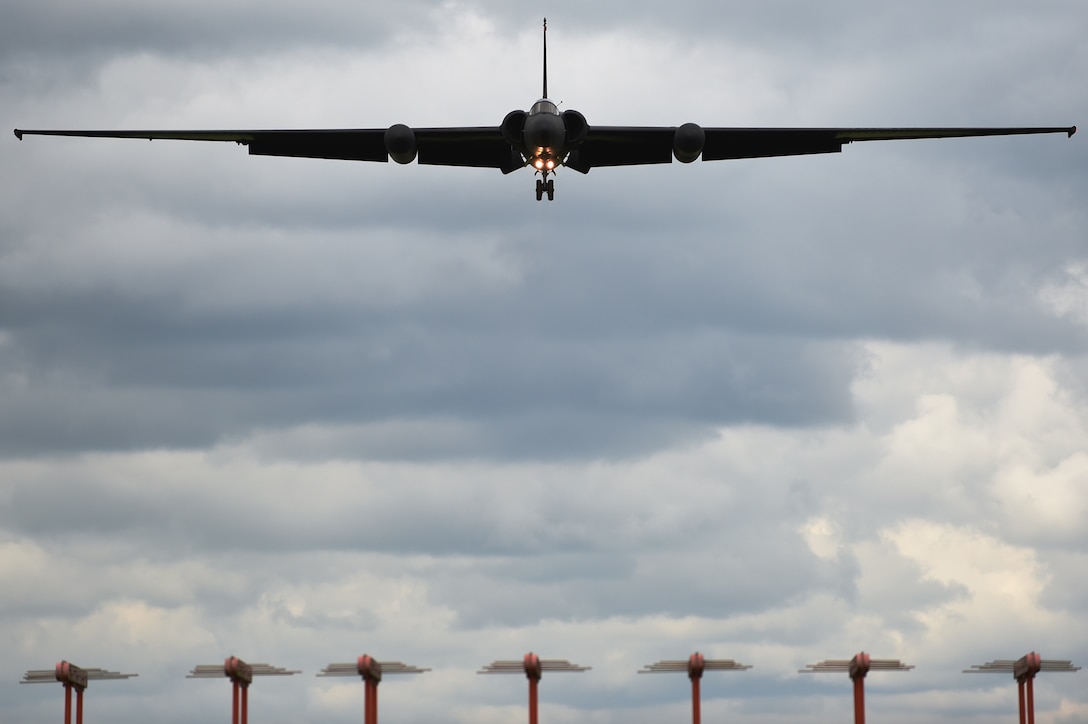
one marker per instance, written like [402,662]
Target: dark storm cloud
[565,348]
[96,29]
[545,375]
[584,343]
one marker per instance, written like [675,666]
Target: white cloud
[1069,298]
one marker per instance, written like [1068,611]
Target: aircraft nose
[544,131]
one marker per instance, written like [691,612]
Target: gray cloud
[777,410]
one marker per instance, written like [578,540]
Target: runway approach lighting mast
[73,677]
[241,675]
[534,667]
[1023,670]
[857,667]
[372,672]
[694,666]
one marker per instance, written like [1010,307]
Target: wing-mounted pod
[400,143]
[513,128]
[688,142]
[513,131]
[576,126]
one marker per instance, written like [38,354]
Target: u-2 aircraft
[544,139]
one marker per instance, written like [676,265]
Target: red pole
[375,719]
[696,665]
[532,700]
[369,686]
[695,700]
[859,700]
[234,704]
[79,706]
[1020,686]
[67,703]
[1031,700]
[859,667]
[245,704]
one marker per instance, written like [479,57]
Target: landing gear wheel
[550,188]
[539,189]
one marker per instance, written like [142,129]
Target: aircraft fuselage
[544,136]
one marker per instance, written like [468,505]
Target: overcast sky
[775,410]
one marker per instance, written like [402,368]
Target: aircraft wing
[462,146]
[485,147]
[632,145]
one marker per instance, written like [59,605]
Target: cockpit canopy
[544,106]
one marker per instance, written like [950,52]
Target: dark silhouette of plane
[545,139]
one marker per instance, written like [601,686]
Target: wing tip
[1072,130]
[18,134]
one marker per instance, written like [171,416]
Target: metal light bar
[694,668]
[1008,666]
[269,670]
[388,667]
[206,671]
[1024,670]
[72,677]
[241,675]
[677,666]
[843,665]
[533,667]
[372,671]
[503,667]
[103,675]
[858,667]
[518,667]
[215,671]
[49,676]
